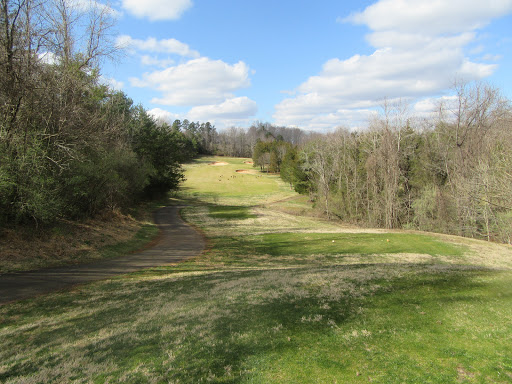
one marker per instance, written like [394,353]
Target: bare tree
[319,160]
[80,31]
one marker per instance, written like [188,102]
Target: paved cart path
[177,241]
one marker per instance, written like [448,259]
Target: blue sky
[311,64]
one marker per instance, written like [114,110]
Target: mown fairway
[216,180]
[277,298]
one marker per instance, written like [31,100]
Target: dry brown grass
[66,243]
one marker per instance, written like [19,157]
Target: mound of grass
[281,249]
[74,242]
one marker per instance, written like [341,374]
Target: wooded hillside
[69,146]
[451,174]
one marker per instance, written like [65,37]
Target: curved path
[177,242]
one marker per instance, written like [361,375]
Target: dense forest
[450,174]
[70,147]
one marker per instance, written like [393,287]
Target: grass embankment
[115,234]
[276,301]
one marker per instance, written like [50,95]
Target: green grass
[442,328]
[230,212]
[284,250]
[275,300]
[281,244]
[345,323]
[223,185]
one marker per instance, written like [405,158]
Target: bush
[106,180]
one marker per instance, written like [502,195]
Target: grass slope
[68,243]
[274,300]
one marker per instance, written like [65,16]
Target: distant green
[222,184]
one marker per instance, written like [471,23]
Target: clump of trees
[241,142]
[269,154]
[451,175]
[70,146]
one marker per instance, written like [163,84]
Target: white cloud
[207,86]
[318,122]
[156,10]
[92,5]
[232,109]
[197,82]
[170,46]
[112,83]
[163,115]
[154,61]
[48,58]
[364,81]
[419,51]
[430,17]
[429,108]
[431,104]
[399,40]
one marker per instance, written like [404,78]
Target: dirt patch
[218,163]
[251,171]
[248,162]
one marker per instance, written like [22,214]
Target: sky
[316,65]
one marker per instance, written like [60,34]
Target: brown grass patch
[67,242]
[251,171]
[218,163]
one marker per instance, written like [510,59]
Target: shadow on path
[177,242]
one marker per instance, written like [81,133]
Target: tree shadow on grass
[285,323]
[230,212]
[216,336]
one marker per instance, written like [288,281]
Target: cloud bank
[157,10]
[419,51]
[208,87]
[197,82]
[170,46]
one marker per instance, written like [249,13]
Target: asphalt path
[177,242]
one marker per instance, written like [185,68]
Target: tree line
[70,147]
[240,142]
[452,174]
